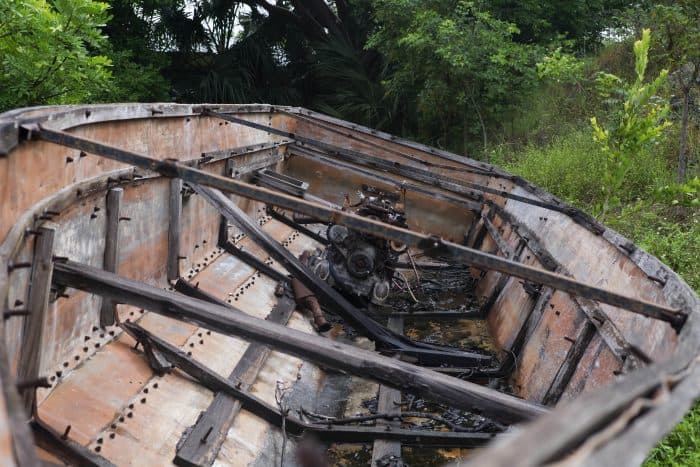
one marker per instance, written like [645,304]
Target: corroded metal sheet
[546,349]
[597,368]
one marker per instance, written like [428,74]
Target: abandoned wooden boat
[169,273]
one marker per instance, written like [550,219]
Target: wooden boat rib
[149,317]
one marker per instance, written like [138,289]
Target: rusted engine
[362,266]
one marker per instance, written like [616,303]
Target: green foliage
[134,82]
[545,21]
[634,129]
[561,67]
[457,64]
[678,27]
[680,194]
[682,446]
[670,234]
[572,167]
[49,52]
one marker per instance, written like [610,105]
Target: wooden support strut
[388,401]
[39,291]
[381,178]
[430,244]
[111,255]
[398,374]
[174,227]
[457,186]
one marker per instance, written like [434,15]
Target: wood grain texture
[201,444]
[111,257]
[42,269]
[388,401]
[174,228]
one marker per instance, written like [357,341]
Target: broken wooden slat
[398,374]
[569,365]
[38,303]
[497,237]
[388,402]
[195,447]
[175,214]
[111,255]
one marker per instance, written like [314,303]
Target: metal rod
[430,244]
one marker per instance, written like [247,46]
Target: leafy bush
[634,128]
[681,194]
[670,233]
[47,52]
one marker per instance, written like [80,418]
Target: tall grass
[571,166]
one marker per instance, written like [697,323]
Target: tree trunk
[682,156]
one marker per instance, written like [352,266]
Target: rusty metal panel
[511,309]
[545,351]
[597,368]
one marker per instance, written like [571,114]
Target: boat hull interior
[602,370]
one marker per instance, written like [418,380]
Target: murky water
[444,290]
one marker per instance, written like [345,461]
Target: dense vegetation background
[572,94]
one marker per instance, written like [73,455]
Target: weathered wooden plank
[497,237]
[174,228]
[502,281]
[200,445]
[291,223]
[294,426]
[108,309]
[39,290]
[253,261]
[398,374]
[23,449]
[381,178]
[388,401]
